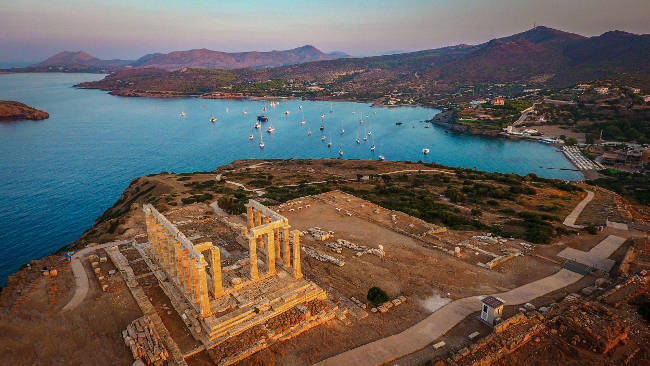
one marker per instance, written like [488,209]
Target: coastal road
[80,275]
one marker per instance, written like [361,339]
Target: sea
[58,175]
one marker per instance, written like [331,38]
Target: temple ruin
[224,303]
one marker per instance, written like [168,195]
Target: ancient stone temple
[262,294]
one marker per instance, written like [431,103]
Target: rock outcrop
[16,111]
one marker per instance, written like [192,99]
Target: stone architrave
[252,250]
[217,283]
[270,252]
[297,272]
[285,248]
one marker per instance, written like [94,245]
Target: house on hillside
[602,90]
[498,101]
[491,309]
[646,98]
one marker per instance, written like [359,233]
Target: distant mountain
[79,60]
[540,56]
[200,58]
[204,58]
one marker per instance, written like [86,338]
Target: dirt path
[80,275]
[570,220]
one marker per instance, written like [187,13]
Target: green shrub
[376,295]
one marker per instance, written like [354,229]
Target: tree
[570,141]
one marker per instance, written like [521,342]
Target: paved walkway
[598,256]
[570,220]
[80,275]
[441,321]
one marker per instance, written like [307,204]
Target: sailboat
[182,114]
[300,107]
[340,151]
[270,129]
[287,112]
[358,139]
[322,125]
[329,143]
[382,158]
[323,138]
[303,122]
[227,110]
[257,125]
[331,107]
[244,112]
[425,151]
[213,119]
[261,141]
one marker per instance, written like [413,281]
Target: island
[16,111]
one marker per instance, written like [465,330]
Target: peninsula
[334,262]
[16,111]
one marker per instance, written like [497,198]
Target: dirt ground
[556,131]
[34,332]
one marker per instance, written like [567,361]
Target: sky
[32,30]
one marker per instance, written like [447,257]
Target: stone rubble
[144,342]
[322,257]
[360,250]
[320,234]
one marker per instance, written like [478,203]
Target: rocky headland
[16,111]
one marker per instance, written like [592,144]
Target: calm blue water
[58,175]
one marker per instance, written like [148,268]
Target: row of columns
[275,248]
[185,269]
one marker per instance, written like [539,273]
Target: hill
[541,56]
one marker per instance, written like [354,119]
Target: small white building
[491,309]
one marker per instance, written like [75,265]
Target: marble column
[285,248]
[217,283]
[252,251]
[196,281]
[179,264]
[188,272]
[297,272]
[249,210]
[203,297]
[270,252]
[276,243]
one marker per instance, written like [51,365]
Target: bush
[377,296]
[476,212]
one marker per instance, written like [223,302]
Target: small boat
[365,138]
[329,144]
[257,125]
[244,113]
[213,119]
[322,115]
[425,151]
[398,123]
[342,131]
[340,152]
[262,118]
[287,112]
[303,122]
[382,158]
[372,148]
[360,121]
[322,127]
[369,133]
[261,144]
[270,129]
[309,133]
[264,109]
[182,114]
[251,137]
[300,107]
[358,141]
[426,126]
[322,138]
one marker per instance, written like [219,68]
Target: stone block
[103,259]
[588,290]
[439,345]
[104,288]
[94,264]
[529,306]
[473,335]
[98,270]
[111,272]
